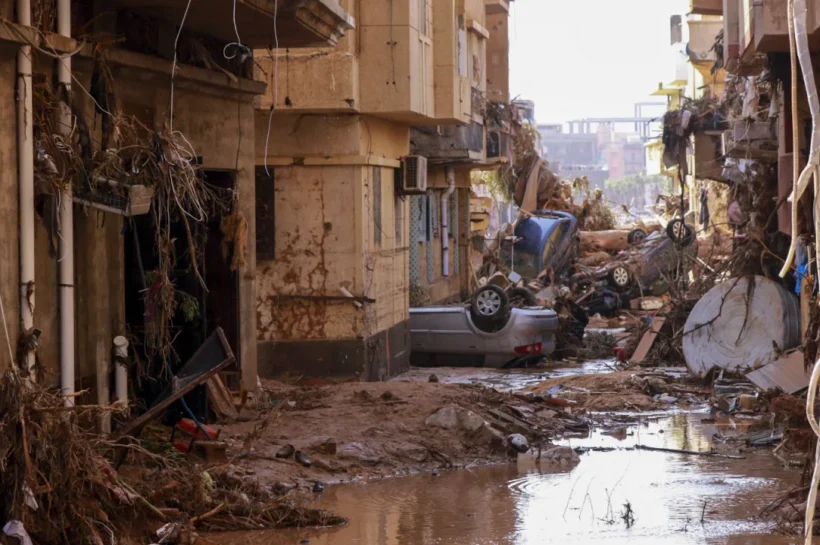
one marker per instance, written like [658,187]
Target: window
[265,215]
[434,215]
[423,23]
[422,229]
[398,215]
[377,205]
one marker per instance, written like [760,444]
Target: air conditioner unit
[414,174]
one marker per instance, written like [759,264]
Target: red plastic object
[189,426]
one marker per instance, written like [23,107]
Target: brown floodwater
[675,498]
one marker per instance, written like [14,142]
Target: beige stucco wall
[498,58]
[324,169]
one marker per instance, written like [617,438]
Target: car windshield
[552,246]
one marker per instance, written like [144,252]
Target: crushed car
[641,270]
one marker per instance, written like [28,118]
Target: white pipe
[121,371]
[445,221]
[25,181]
[802,46]
[66,221]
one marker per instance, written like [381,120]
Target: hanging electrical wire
[275,59]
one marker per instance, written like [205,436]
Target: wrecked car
[546,241]
[485,333]
[656,258]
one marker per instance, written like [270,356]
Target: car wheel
[489,303]
[620,277]
[636,236]
[679,232]
[521,298]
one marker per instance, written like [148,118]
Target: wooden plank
[182,384]
[221,398]
[787,374]
[648,340]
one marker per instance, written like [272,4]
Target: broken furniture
[212,357]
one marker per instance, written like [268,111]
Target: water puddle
[506,380]
[675,498]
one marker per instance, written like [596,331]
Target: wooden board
[221,398]
[787,374]
[213,356]
[647,341]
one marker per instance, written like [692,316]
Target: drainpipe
[121,371]
[66,221]
[798,34]
[445,221]
[25,182]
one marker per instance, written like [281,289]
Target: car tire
[521,298]
[679,232]
[636,236]
[620,277]
[489,303]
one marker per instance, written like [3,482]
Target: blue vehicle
[545,242]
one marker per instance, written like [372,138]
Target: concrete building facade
[144,62]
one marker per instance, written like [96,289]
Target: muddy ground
[359,431]
[362,431]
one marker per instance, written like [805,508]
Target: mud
[623,390]
[363,431]
[675,498]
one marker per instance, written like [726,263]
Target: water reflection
[507,379]
[523,504]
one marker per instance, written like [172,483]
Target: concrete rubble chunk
[453,417]
[358,452]
[446,418]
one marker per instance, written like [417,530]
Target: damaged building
[141,115]
[363,160]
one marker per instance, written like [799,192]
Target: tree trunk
[610,241]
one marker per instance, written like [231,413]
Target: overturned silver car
[484,334]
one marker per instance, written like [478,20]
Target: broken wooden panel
[788,374]
[708,164]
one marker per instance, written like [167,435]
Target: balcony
[461,144]
[494,7]
[706,7]
[702,36]
[300,23]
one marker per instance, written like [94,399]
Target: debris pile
[59,485]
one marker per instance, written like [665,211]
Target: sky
[589,58]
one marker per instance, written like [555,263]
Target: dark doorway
[199,310]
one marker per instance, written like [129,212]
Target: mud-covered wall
[212,118]
[316,251]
